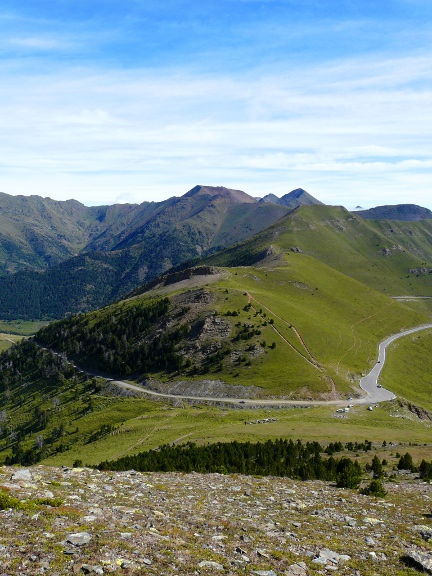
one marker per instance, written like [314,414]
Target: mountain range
[91,255]
[63,257]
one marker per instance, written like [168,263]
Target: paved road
[369,384]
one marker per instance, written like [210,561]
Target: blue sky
[107,101]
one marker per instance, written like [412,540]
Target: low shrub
[375,488]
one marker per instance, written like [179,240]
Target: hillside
[138,243]
[178,524]
[288,327]
[404,212]
[36,233]
[391,257]
[296,313]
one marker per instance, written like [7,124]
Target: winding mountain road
[369,384]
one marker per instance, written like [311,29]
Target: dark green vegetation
[375,488]
[119,342]
[272,458]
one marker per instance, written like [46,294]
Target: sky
[140,100]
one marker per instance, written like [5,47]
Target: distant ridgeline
[63,257]
[59,258]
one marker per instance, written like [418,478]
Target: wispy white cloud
[355,129]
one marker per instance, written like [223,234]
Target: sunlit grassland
[341,320]
[8,340]
[408,368]
[21,327]
[149,425]
[355,247]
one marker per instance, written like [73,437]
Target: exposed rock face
[178,524]
[203,389]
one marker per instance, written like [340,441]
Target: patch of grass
[8,340]
[408,369]
[21,327]
[7,501]
[164,425]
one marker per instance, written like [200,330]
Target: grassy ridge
[376,253]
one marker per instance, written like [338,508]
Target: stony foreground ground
[140,523]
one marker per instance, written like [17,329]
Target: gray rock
[23,474]
[84,568]
[79,538]
[329,555]
[299,569]
[344,557]
[370,541]
[262,554]
[420,559]
[264,572]
[425,532]
[320,560]
[126,564]
[209,564]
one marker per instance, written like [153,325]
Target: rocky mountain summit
[170,523]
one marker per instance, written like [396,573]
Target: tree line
[297,460]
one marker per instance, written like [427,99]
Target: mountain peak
[298,197]
[237,196]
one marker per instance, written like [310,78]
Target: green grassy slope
[325,327]
[408,371]
[379,254]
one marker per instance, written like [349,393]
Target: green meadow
[142,425]
[21,327]
[8,340]
[408,369]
